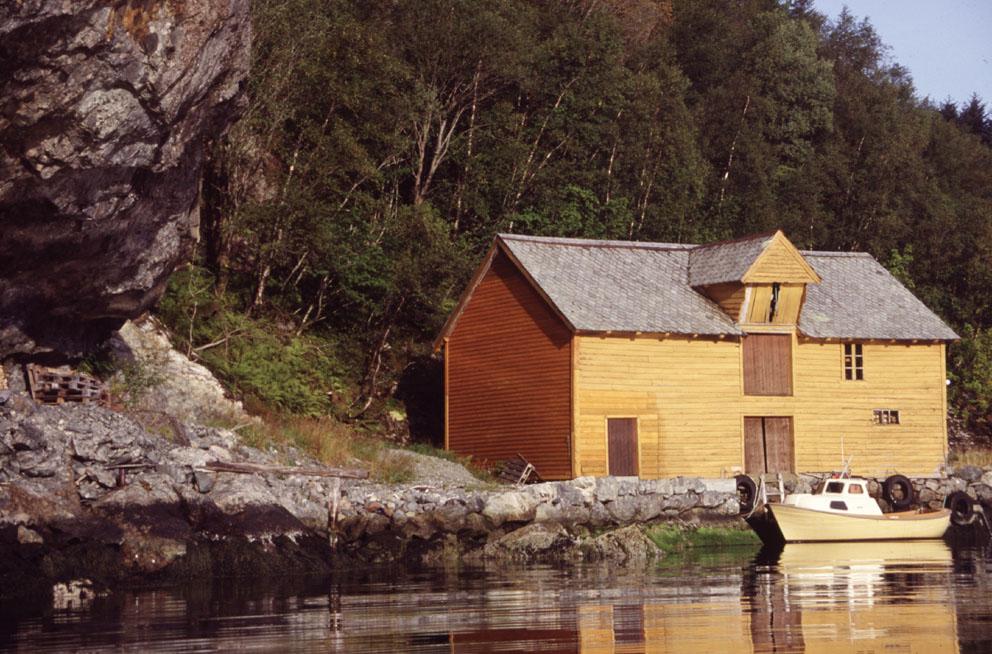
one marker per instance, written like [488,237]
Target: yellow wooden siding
[688,397]
[702,627]
[780,262]
[730,298]
[790,299]
[678,387]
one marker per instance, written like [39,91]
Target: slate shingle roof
[617,286]
[858,298]
[718,263]
[623,286]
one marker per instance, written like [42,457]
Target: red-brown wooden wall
[509,376]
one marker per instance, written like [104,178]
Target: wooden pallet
[51,386]
[519,471]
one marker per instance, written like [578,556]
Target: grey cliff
[106,112]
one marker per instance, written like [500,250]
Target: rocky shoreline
[88,492]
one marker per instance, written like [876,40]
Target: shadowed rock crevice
[105,119]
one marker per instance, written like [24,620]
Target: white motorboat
[844,511]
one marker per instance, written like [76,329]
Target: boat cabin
[838,496]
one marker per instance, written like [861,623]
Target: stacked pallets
[519,471]
[51,386]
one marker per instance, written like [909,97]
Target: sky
[945,44]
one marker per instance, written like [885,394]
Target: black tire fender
[962,507]
[747,492]
[898,492]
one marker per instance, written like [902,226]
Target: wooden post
[332,518]
[257,468]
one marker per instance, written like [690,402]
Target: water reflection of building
[870,597]
[660,627]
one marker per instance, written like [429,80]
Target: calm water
[910,597]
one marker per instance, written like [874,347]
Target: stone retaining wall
[379,523]
[376,522]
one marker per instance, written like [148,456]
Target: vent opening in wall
[885,416]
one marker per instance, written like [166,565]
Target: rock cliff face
[105,112]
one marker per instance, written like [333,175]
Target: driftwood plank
[257,468]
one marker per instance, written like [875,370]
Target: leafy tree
[387,142]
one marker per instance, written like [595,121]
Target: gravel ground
[435,471]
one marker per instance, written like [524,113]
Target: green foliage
[970,374]
[133,380]
[899,264]
[253,356]
[673,539]
[385,144]
[129,380]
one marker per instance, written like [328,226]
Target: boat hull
[801,525]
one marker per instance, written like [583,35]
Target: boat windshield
[835,487]
[856,489]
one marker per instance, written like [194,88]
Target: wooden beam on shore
[260,469]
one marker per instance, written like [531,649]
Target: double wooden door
[768,445]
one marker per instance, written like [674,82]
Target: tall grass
[330,442]
[976,456]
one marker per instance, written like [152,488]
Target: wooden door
[754,446]
[778,444]
[622,446]
[768,445]
[767,364]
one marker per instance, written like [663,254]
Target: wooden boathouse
[652,359]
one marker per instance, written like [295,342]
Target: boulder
[513,506]
[730,506]
[568,515]
[451,516]
[623,509]
[533,542]
[203,480]
[983,492]
[627,545]
[28,536]
[680,503]
[969,473]
[30,436]
[178,387]
[710,499]
[720,485]
[607,489]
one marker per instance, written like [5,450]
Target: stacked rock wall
[378,522]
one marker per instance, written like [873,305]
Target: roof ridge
[834,253]
[739,239]
[598,243]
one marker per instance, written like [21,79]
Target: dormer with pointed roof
[756,280]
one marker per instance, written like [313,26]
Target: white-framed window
[854,362]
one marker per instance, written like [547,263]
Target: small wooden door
[768,445]
[621,436]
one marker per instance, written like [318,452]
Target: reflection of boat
[873,597]
[843,511]
[797,557]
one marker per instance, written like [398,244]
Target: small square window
[885,416]
[854,362]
